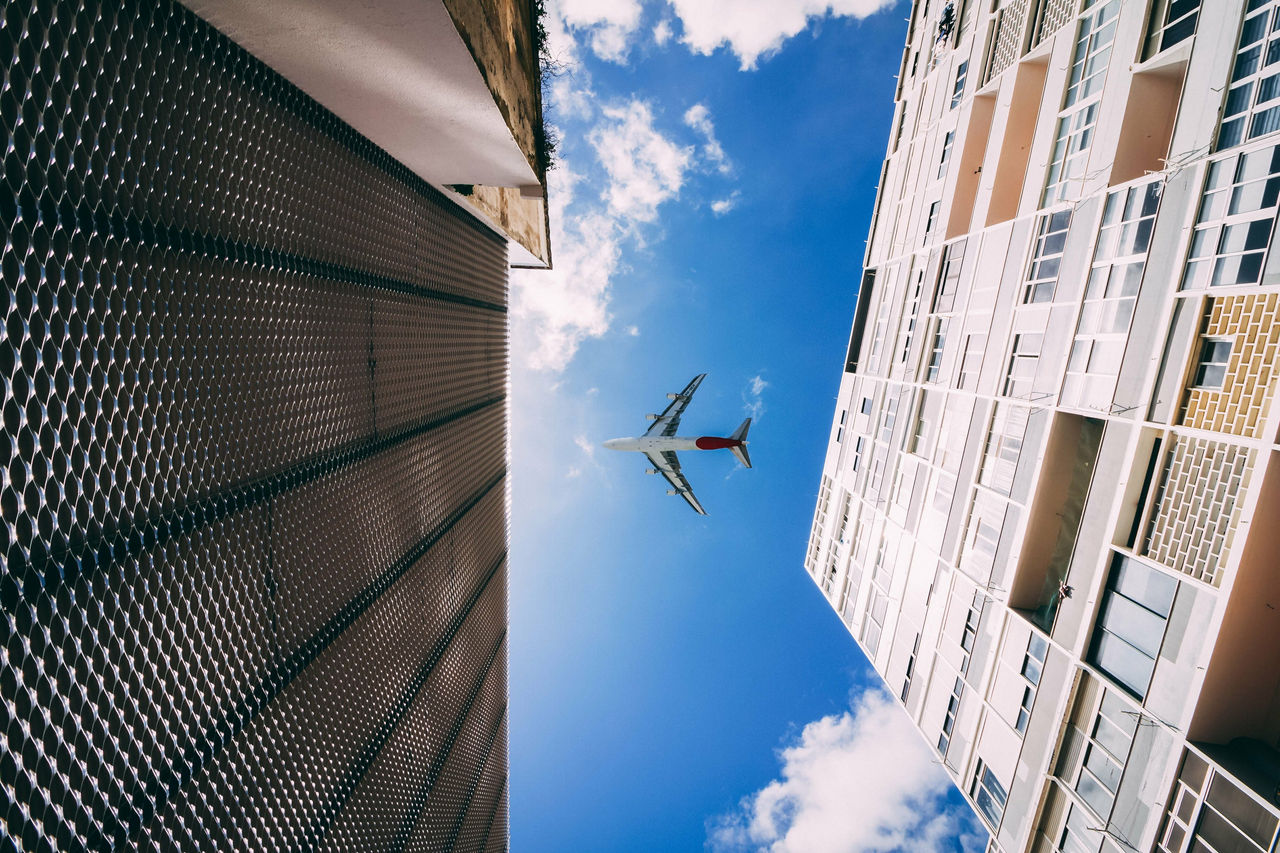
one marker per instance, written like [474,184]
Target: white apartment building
[1050,507]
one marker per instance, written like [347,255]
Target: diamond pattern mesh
[253,466]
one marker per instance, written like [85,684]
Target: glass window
[949,720]
[1004,446]
[1252,107]
[1079,113]
[957,91]
[1130,629]
[1022,365]
[1236,217]
[1172,21]
[947,142]
[948,277]
[988,794]
[1211,368]
[935,350]
[933,217]
[1046,256]
[1110,296]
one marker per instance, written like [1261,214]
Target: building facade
[254,467]
[1048,511]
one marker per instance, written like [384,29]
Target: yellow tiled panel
[1240,405]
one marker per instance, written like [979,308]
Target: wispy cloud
[698,117]
[722,206]
[662,32]
[828,800]
[753,396]
[644,167]
[757,28]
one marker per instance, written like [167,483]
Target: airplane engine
[650,417]
[672,396]
[672,492]
[651,470]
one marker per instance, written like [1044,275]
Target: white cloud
[554,311]
[607,24]
[722,206]
[698,117]
[644,167]
[857,781]
[633,331]
[754,396]
[756,28]
[662,32]
[586,446]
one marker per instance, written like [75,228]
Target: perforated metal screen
[253,462]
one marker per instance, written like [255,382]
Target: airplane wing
[669,465]
[669,421]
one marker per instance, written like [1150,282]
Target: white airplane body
[660,444]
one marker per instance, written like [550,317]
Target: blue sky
[677,682]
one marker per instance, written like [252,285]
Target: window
[1079,114]
[957,92]
[928,411]
[969,636]
[1099,738]
[857,452]
[1004,447]
[939,341]
[948,277]
[1172,21]
[947,142]
[986,521]
[971,363]
[1233,227]
[913,310]
[1092,54]
[1070,154]
[865,408]
[949,721]
[1252,106]
[889,418]
[1211,370]
[1046,257]
[872,628]
[933,218]
[1022,365]
[988,794]
[911,668]
[1130,630]
[1032,669]
[1110,296]
[1216,813]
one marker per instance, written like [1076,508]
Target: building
[254,368]
[1049,502]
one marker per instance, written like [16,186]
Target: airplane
[660,444]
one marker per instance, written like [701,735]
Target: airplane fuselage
[662,443]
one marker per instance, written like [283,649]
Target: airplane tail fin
[740,450]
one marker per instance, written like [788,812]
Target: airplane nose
[611,444]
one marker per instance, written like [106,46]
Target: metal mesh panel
[253,473]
